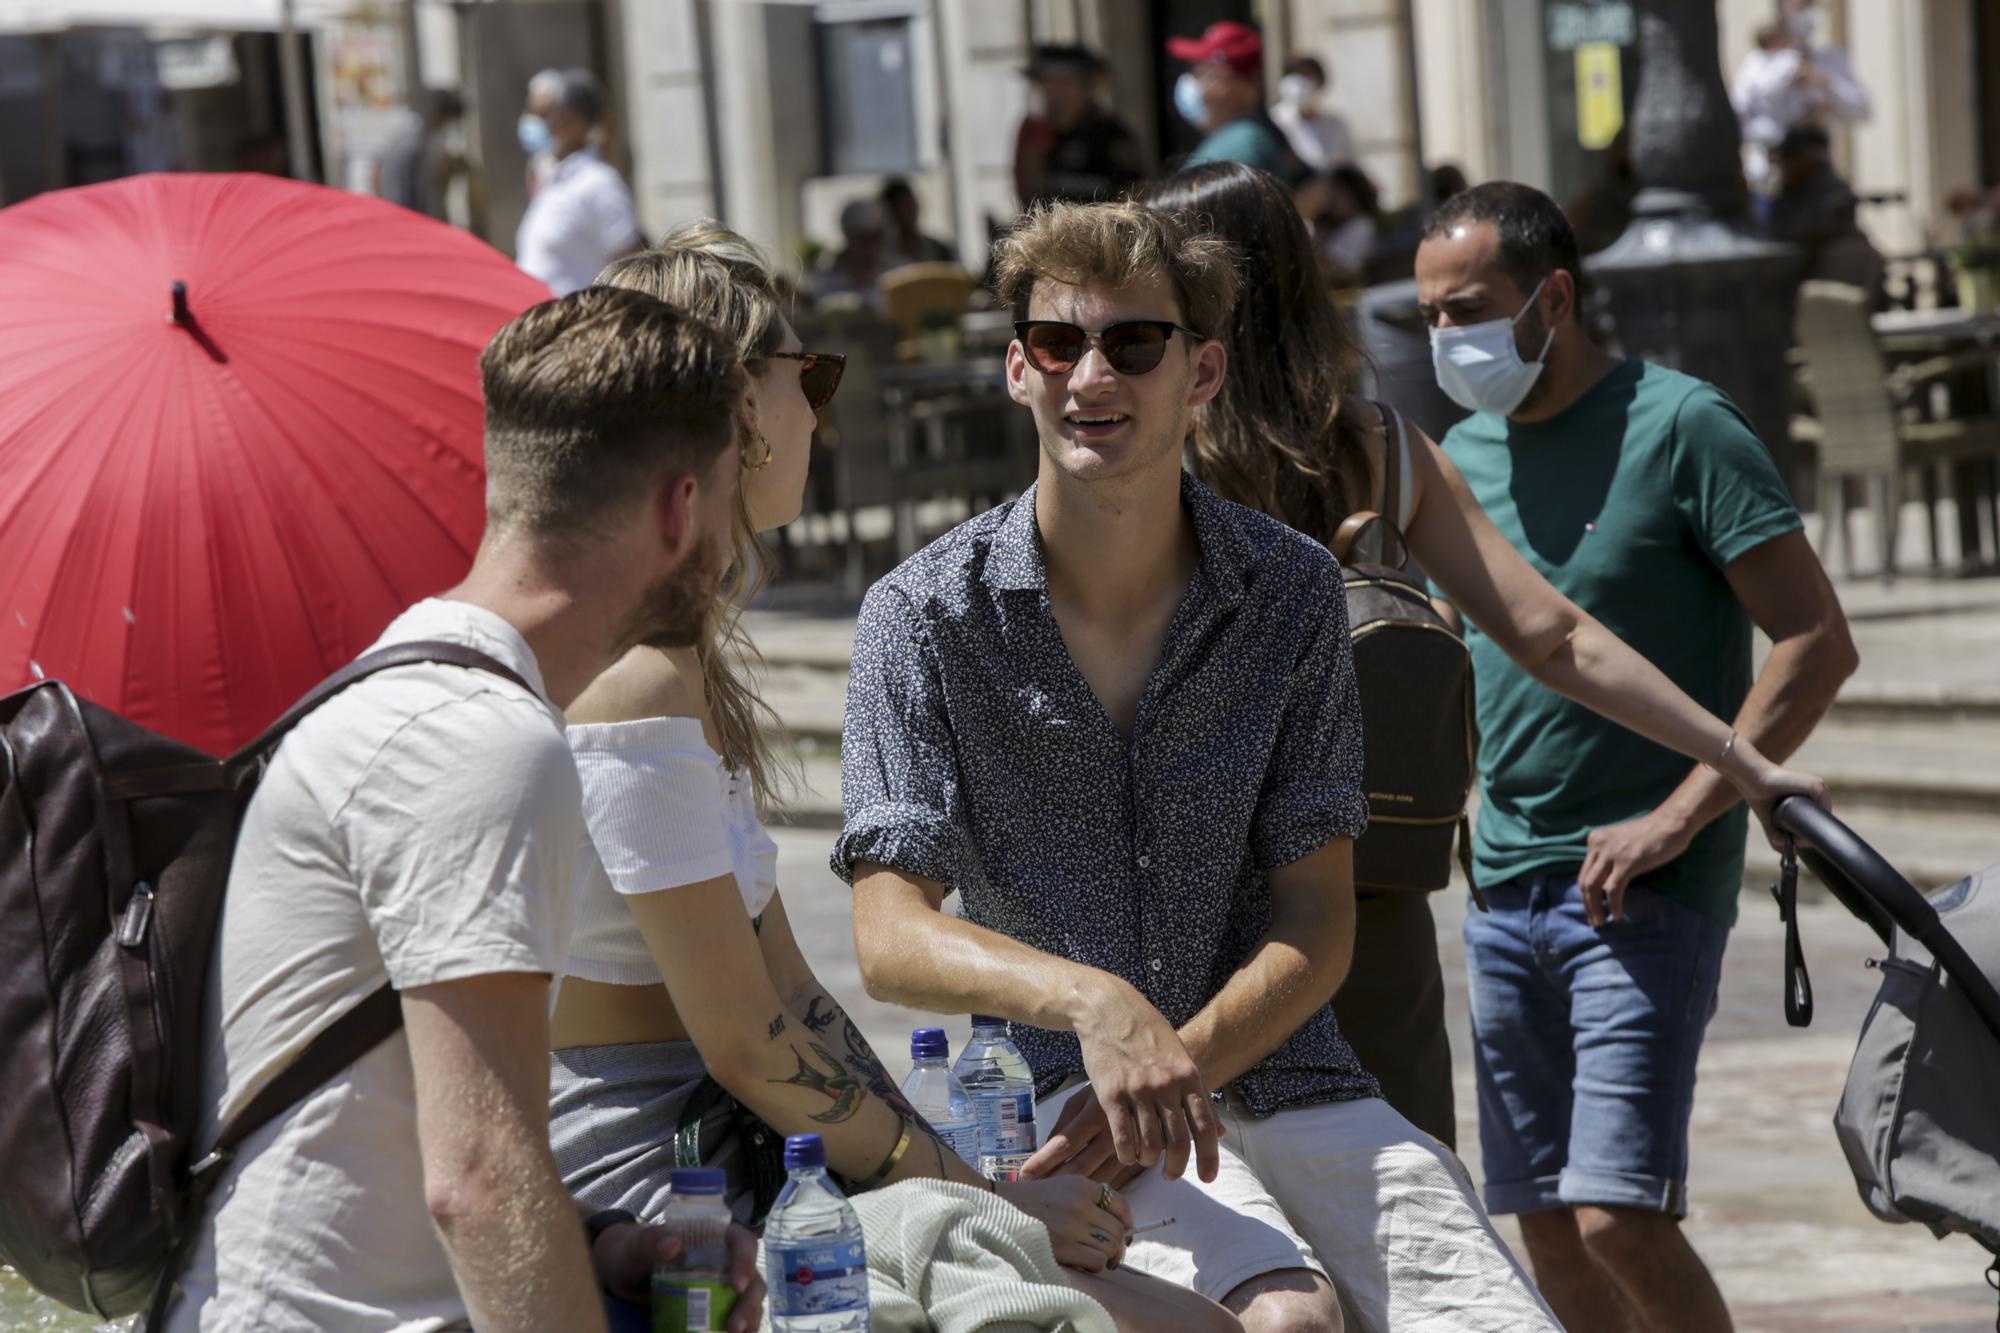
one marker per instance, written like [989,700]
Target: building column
[1454,86]
[982,46]
[1917,63]
[666,121]
[1364,45]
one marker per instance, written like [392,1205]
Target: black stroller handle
[1873,890]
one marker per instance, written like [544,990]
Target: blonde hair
[1119,245]
[714,274]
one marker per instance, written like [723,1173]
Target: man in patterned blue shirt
[1118,717]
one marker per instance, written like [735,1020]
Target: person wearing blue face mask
[1222,95]
[1611,865]
[580,216]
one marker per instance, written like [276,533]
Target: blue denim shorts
[1585,1040]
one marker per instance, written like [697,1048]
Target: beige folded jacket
[948,1258]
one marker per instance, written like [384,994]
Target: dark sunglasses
[819,374]
[1132,347]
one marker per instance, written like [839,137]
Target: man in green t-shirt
[1611,867]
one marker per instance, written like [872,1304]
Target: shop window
[868,104]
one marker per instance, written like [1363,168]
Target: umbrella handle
[181,313]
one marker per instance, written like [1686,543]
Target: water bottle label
[817,1279]
[1007,1122]
[964,1142]
[681,1305]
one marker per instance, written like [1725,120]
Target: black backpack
[1415,677]
[115,845]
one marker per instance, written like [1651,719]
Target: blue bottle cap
[928,1043]
[987,1021]
[803,1152]
[704,1180]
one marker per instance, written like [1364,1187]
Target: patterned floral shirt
[976,755]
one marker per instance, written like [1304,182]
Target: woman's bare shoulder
[646,682]
[1365,416]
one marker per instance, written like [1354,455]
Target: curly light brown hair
[1118,245]
[716,275]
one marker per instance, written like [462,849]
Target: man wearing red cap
[1223,95]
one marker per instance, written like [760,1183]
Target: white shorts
[1350,1191]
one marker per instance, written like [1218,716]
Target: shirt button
[1145,862]
[1155,964]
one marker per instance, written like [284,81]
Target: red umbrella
[239,431]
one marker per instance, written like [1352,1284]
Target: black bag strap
[1798,985]
[395,655]
[349,1037]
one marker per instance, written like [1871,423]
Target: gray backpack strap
[1393,454]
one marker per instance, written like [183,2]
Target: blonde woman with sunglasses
[689,1021]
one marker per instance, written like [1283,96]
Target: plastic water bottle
[938,1095]
[693,1293]
[1002,1088]
[815,1263]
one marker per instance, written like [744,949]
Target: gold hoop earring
[764,462]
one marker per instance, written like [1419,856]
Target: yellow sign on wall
[1600,95]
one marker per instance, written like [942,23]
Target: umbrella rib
[68,551]
[312,463]
[279,351]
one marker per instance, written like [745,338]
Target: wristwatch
[599,1223]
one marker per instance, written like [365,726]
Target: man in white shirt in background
[1320,137]
[421,830]
[580,216]
[1793,76]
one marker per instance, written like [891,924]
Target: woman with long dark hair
[1287,436]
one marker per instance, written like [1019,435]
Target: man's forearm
[511,1234]
[1294,972]
[1790,696]
[914,955]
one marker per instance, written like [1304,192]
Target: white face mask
[1298,90]
[1479,366]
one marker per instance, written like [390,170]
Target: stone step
[1916,704]
[1930,850]
[1947,768]
[1944,767]
[816,803]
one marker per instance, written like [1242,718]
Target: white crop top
[663,812]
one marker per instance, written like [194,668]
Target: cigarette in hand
[1151,1226]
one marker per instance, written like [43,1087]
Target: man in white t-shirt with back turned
[421,830]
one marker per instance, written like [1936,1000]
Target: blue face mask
[534,133]
[1188,100]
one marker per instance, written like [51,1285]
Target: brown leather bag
[115,846]
[1415,678]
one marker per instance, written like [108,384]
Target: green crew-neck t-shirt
[1631,502]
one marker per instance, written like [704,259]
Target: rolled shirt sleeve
[902,804]
[1312,789]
